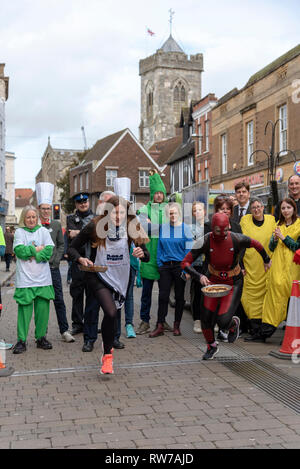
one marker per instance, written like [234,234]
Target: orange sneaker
[107,365]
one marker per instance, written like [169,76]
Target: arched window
[179,92]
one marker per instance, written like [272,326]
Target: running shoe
[234,331]
[107,364]
[222,336]
[5,346]
[197,327]
[143,328]
[130,331]
[210,353]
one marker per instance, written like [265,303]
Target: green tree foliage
[64,184]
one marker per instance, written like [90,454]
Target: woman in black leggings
[110,236]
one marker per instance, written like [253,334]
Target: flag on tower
[151,33]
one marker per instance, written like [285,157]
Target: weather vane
[172,13]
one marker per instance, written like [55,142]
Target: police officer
[75,223]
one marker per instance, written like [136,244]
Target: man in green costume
[151,216]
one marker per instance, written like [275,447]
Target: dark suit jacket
[235,216]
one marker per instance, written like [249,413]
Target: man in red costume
[221,249]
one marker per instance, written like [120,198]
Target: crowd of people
[111,251]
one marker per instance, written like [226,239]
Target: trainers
[143,328]
[234,331]
[5,346]
[210,353]
[167,328]
[67,337]
[197,327]
[130,331]
[107,364]
[43,343]
[222,336]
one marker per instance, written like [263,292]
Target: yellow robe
[282,273]
[255,280]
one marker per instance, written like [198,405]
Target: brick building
[116,155]
[202,120]
[23,197]
[238,126]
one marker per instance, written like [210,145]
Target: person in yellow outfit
[284,242]
[258,226]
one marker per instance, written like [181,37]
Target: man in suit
[293,193]
[242,192]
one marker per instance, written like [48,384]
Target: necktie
[241,213]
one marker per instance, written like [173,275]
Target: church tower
[169,81]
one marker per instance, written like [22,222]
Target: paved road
[161,396]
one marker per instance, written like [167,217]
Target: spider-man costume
[221,249]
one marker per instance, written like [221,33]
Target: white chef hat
[122,187]
[44,193]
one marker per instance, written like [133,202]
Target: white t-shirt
[30,273]
[116,257]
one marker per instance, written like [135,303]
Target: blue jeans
[146,299]
[60,307]
[129,302]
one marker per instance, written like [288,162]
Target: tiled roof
[23,193]
[182,151]
[162,151]
[103,145]
[171,45]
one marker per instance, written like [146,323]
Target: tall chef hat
[44,193]
[122,187]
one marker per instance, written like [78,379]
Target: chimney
[2,70]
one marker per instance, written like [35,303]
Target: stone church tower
[169,81]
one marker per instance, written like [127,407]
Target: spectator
[44,195]
[9,241]
[259,226]
[33,247]
[284,243]
[171,249]
[151,217]
[78,288]
[293,193]
[242,192]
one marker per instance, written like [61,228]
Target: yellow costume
[282,273]
[254,289]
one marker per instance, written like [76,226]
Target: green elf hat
[156,184]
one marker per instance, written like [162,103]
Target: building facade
[4,81]
[202,132]
[170,80]
[241,138]
[10,158]
[115,156]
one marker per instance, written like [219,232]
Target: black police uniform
[78,287]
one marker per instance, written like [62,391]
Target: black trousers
[196,295]
[170,274]
[79,289]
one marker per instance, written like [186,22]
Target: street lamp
[273,160]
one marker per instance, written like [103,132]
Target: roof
[162,151]
[102,146]
[23,193]
[171,45]
[182,151]
[282,60]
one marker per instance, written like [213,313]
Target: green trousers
[41,317]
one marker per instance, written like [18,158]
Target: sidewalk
[162,395]
[6,276]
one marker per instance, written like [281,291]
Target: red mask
[221,221]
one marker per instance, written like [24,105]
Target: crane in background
[84,138]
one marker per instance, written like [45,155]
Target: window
[199,139]
[250,158]
[186,173]
[75,184]
[80,182]
[283,128]
[206,135]
[206,174]
[224,153]
[179,92]
[87,180]
[143,178]
[111,175]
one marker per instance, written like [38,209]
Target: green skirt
[25,296]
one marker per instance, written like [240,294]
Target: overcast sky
[76,62]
